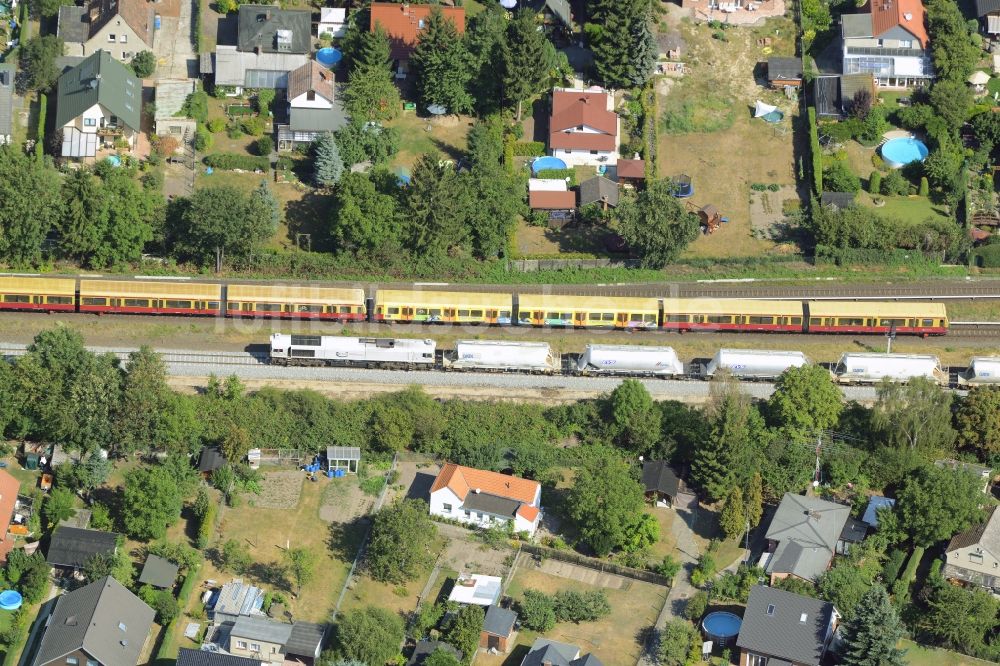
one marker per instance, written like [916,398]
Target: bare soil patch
[279,490]
[343,501]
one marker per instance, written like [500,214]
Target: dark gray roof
[7,71]
[104,619]
[188,657]
[261,628]
[783,633]
[318,120]
[874,504]
[854,530]
[807,530]
[424,649]
[211,459]
[73,546]
[784,67]
[499,621]
[484,502]
[545,651]
[73,25]
[99,79]
[840,200]
[826,93]
[259,26]
[594,190]
[158,572]
[586,660]
[984,7]
[856,25]
[306,639]
[659,476]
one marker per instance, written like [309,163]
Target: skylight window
[770,609]
[803,617]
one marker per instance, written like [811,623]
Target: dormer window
[311,95]
[770,609]
[803,617]
[420,24]
[579,128]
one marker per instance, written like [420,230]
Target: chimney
[604,202]
[814,515]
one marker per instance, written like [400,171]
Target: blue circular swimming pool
[900,152]
[328,56]
[722,627]
[546,163]
[10,600]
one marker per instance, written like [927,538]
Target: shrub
[196,106]
[925,188]
[558,173]
[43,107]
[838,177]
[203,139]
[254,126]
[144,64]
[207,527]
[816,152]
[216,125]
[263,146]
[232,161]
[988,256]
[573,606]
[895,184]
[234,130]
[285,163]
[890,570]
[529,148]
[875,183]
[704,571]
[696,606]
[669,567]
[537,611]
[901,588]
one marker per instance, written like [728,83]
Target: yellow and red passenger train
[310,301]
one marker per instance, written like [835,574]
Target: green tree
[537,611]
[31,208]
[58,506]
[358,142]
[153,500]
[38,62]
[367,219]
[951,101]
[656,225]
[675,642]
[605,503]
[846,583]
[223,219]
[875,183]
[523,59]
[960,618]
[754,508]
[441,657]
[437,204]
[915,415]
[728,456]
[301,565]
[28,574]
[952,45]
[144,398]
[370,635]
[635,419]
[464,629]
[441,65]
[805,401]
[874,631]
[622,43]
[265,97]
[400,542]
[236,557]
[327,165]
[49,8]
[117,565]
[733,517]
[371,93]
[978,421]
[934,504]
[392,428]
[838,177]
[144,64]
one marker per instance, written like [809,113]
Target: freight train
[608,360]
[253,300]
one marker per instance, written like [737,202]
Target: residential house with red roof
[403,23]
[889,40]
[481,498]
[584,127]
[9,525]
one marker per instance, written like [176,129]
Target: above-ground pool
[775,116]
[10,600]
[900,152]
[328,56]
[547,163]
[721,627]
[114,160]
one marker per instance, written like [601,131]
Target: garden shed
[346,458]
[158,572]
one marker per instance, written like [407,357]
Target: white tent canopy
[761,109]
[979,78]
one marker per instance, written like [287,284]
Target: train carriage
[502,356]
[629,360]
[908,318]
[331,350]
[38,293]
[871,368]
[588,311]
[295,302]
[149,297]
[442,307]
[713,314]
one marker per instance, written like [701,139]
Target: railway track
[971,329]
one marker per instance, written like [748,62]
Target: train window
[505,313]
[552,315]
[16,298]
[892,322]
[760,320]
[232,306]
[59,300]
[719,319]
[849,321]
[595,316]
[815,321]
[344,309]
[464,313]
[136,303]
[213,305]
[94,301]
[308,308]
[677,319]
[421,311]
[649,318]
[268,307]
[796,321]
[435,312]
[302,353]
[926,322]
[178,304]
[394,311]
[37,299]
[478,314]
[306,340]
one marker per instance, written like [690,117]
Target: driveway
[175,56]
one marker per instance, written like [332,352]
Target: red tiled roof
[402,23]
[543,200]
[574,108]
[527,512]
[8,498]
[460,480]
[310,76]
[631,169]
[907,14]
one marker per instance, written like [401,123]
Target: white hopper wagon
[753,363]
[336,350]
[497,355]
[982,370]
[873,368]
[629,360]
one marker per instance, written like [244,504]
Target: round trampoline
[721,627]
[900,152]
[547,163]
[328,56]
[10,600]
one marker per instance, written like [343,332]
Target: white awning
[761,109]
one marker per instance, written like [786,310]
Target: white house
[888,40]
[313,107]
[482,498]
[332,21]
[584,127]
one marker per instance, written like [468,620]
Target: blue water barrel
[156,22]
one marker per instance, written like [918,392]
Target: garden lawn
[918,655]
[401,599]
[909,209]
[615,639]
[447,137]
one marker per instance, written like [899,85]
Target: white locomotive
[366,352]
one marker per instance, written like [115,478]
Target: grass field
[400,599]
[911,209]
[445,136]
[918,655]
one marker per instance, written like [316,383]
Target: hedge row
[816,152]
[987,256]
[871,257]
[529,148]
[168,646]
[901,588]
[43,108]
[232,161]
[560,174]
[207,526]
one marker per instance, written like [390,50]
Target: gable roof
[906,14]
[267,26]
[573,108]
[261,628]
[311,76]
[839,200]
[631,168]
[854,530]
[598,189]
[659,476]
[874,504]
[158,572]
[99,79]
[211,459]
[79,24]
[171,95]
[463,480]
[986,535]
[499,621]
[545,651]
[402,23]
[826,93]
[807,530]
[783,633]
[984,7]
[8,489]
[73,546]
[189,657]
[305,639]
[104,619]
[784,68]
[561,10]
